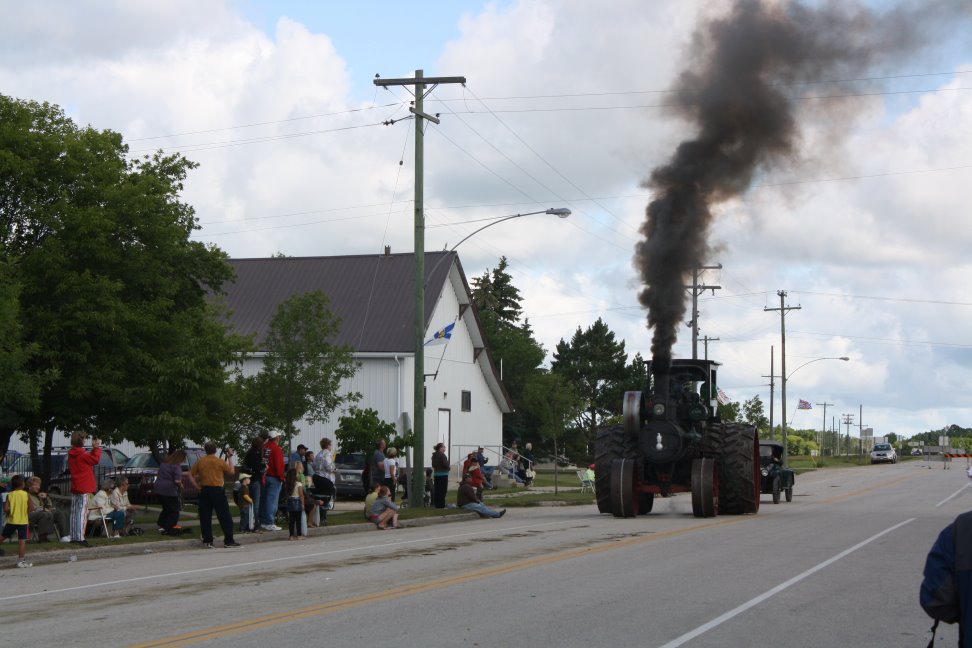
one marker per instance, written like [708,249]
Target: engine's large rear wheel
[736,447]
[610,443]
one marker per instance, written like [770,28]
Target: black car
[775,477]
[349,474]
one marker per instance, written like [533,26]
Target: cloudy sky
[866,226]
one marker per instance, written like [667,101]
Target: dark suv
[142,469]
[349,473]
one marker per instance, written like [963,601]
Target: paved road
[838,566]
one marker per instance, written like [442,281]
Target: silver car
[883,453]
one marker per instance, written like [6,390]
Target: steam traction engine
[672,441]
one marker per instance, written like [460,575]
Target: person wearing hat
[241,494]
[476,479]
[272,481]
[466,499]
[589,474]
[482,459]
[440,476]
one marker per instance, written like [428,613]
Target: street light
[559,212]
[418,384]
[783,418]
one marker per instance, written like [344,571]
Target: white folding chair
[104,520]
[586,484]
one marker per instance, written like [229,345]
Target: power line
[263,123]
[208,146]
[676,104]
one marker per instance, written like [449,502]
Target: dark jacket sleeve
[938,595]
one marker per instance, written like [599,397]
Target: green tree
[19,390]
[593,362]
[360,429]
[754,414]
[113,293]
[552,405]
[510,341]
[729,412]
[302,370]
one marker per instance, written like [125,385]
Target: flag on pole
[442,336]
[722,396]
[804,405]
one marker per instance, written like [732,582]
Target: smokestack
[738,93]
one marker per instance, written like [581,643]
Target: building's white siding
[385,385]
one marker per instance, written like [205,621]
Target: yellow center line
[418,588]
[844,496]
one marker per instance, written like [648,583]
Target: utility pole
[823,428]
[848,421]
[705,342]
[420,83]
[783,310]
[860,427]
[696,291]
[772,386]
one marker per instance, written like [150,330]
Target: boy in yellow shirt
[18,508]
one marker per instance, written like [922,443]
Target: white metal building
[374,296]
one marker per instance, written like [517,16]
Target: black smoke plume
[738,93]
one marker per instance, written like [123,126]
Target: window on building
[466,401]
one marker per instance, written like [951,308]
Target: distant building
[374,295]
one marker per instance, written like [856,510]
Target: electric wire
[546,162]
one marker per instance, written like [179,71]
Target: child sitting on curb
[384,510]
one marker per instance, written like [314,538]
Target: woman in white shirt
[100,507]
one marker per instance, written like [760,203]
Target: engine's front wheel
[610,443]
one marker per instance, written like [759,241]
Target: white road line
[268,561]
[953,495]
[688,636]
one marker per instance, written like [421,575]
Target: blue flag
[441,336]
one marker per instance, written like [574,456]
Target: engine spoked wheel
[705,487]
[624,499]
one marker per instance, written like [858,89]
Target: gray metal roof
[374,295]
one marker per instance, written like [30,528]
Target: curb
[77,554]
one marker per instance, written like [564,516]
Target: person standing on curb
[253,465]
[81,465]
[440,476]
[377,465]
[276,472]
[18,508]
[168,486]
[211,473]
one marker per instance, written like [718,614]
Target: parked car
[142,469]
[349,471]
[883,453]
[774,476]
[60,482]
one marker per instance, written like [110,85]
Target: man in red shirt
[272,481]
[81,465]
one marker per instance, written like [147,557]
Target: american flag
[804,405]
[723,398]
